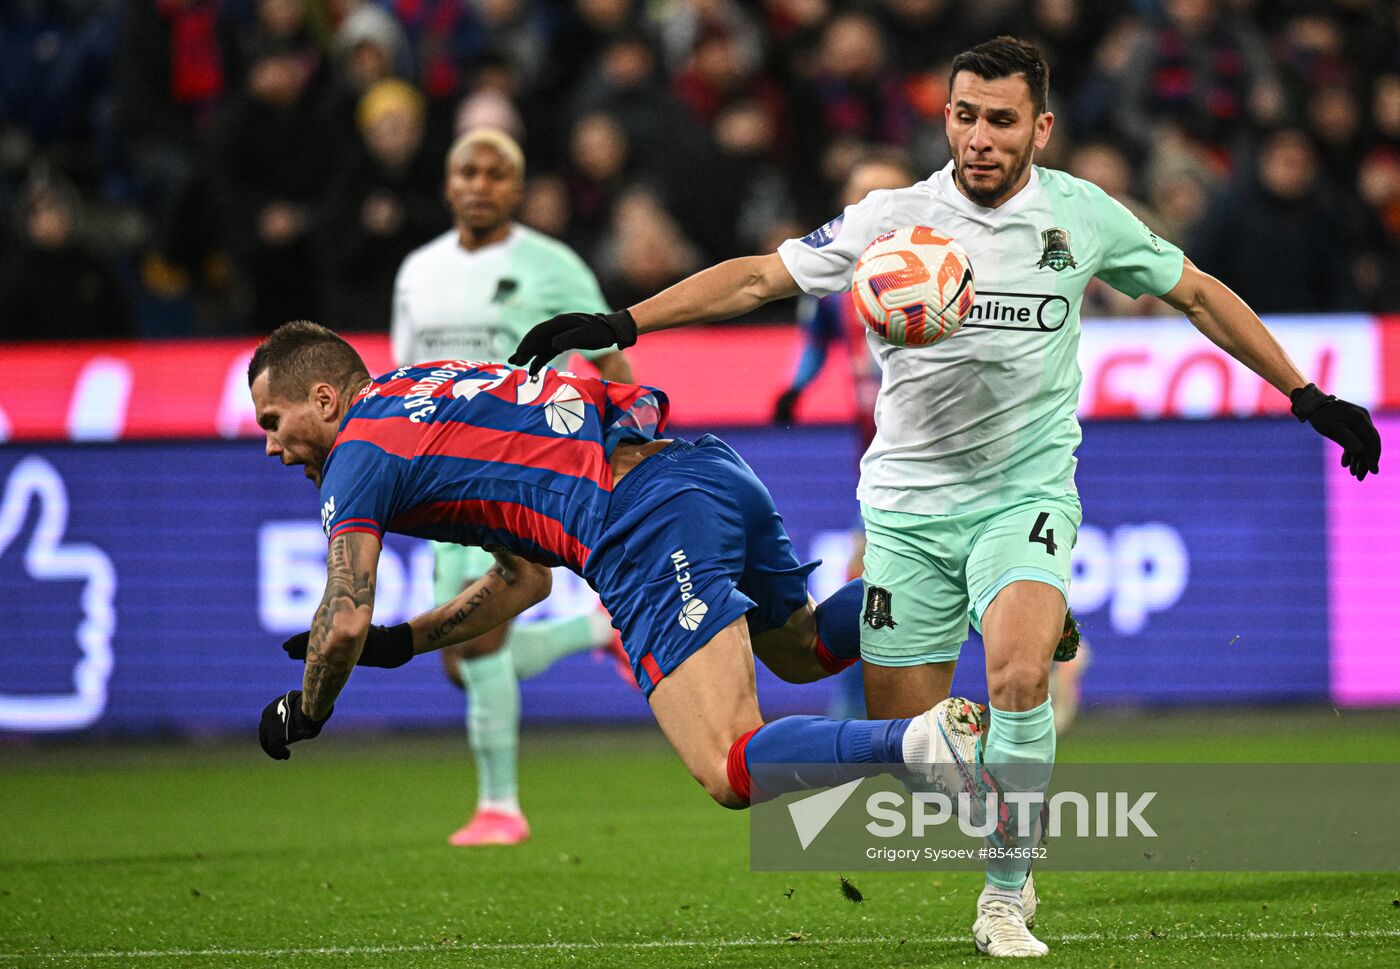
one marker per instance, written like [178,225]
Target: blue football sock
[1020,754]
[838,621]
[772,757]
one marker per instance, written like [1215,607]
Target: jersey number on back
[1046,536]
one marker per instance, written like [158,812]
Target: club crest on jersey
[505,289]
[1056,252]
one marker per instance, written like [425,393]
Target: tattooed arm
[508,589]
[338,631]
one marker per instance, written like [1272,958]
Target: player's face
[483,188]
[297,432]
[993,133]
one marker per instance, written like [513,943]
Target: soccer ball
[913,286]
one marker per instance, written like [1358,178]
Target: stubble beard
[993,194]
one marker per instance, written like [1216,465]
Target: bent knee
[714,778]
[1018,686]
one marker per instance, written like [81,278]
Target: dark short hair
[299,354]
[1005,57]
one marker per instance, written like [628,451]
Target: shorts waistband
[625,493]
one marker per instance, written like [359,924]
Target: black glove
[784,405]
[1343,422]
[387,647]
[283,723]
[574,331]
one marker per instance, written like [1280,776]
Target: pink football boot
[488,827]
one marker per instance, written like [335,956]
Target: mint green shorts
[456,565]
[942,571]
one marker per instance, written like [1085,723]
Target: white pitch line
[1165,935]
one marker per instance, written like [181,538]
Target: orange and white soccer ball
[913,286]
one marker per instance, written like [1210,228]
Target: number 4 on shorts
[1045,536]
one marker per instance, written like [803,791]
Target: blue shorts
[691,543]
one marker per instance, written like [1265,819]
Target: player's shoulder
[910,197]
[430,253]
[540,246]
[1063,185]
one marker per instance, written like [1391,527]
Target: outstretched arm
[508,589]
[1230,324]
[728,289]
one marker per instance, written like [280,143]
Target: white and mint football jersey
[451,304]
[987,416]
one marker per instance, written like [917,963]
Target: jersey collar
[948,188]
[505,243]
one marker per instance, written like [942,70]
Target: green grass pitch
[213,855]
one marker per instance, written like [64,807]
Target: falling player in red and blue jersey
[679,538]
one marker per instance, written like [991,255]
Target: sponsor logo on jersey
[825,235]
[1056,253]
[1035,312]
[692,614]
[693,609]
[564,411]
[327,513]
[878,605]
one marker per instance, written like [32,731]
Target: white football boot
[1030,901]
[1000,930]
[941,745]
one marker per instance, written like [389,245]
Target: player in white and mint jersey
[968,489]
[470,294]
[988,418]
[454,303]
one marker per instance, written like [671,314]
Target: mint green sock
[1020,753]
[536,646]
[493,727]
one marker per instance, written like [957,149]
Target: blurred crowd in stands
[205,167]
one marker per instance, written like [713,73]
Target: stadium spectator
[1180,83]
[922,33]
[546,205]
[853,99]
[1379,267]
[1276,238]
[645,252]
[599,155]
[51,286]
[1202,71]
[285,23]
[371,47]
[170,76]
[748,190]
[579,43]
[385,202]
[270,154]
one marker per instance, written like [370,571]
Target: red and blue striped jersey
[483,454]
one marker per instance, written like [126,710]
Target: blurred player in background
[469,295]
[826,319]
[679,538]
[968,490]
